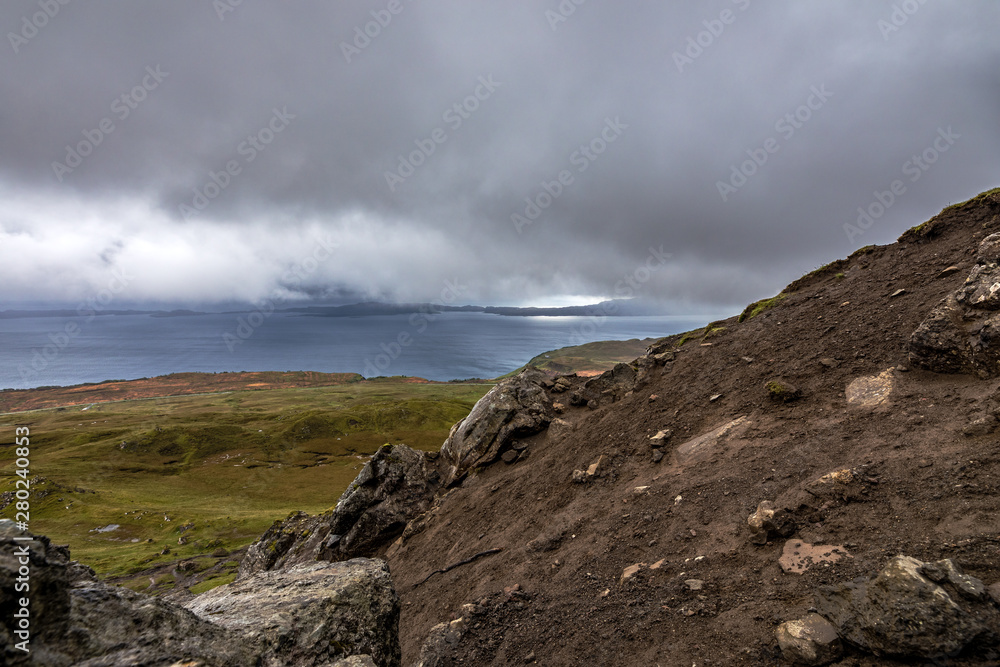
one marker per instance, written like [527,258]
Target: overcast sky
[191,152]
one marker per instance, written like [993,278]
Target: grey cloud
[200,129]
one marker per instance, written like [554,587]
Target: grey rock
[657,455]
[442,638]
[811,641]
[78,620]
[356,661]
[946,571]
[509,456]
[989,250]
[981,288]
[962,333]
[395,486]
[940,344]
[901,612]
[515,407]
[311,614]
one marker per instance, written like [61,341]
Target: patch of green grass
[228,463]
[758,307]
[689,335]
[214,582]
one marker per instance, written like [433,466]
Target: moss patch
[214,582]
[758,307]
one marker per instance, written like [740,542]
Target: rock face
[396,485]
[517,406]
[77,620]
[613,384]
[311,614]
[904,612]
[962,333]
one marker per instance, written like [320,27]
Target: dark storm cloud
[524,149]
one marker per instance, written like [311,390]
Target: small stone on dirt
[809,641]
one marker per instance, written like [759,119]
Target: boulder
[962,333]
[311,614]
[901,612]
[77,620]
[989,249]
[981,288]
[811,640]
[515,407]
[396,485]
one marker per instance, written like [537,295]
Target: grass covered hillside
[133,484]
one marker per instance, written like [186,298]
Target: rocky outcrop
[77,620]
[911,609]
[613,385]
[962,333]
[308,615]
[515,407]
[311,614]
[396,485]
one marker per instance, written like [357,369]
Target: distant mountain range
[613,307]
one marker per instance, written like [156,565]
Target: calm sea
[39,351]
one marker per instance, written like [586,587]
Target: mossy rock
[784,392]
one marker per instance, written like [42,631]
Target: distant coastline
[610,308]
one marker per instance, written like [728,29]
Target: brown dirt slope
[555,594]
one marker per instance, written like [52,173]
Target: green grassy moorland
[209,473]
